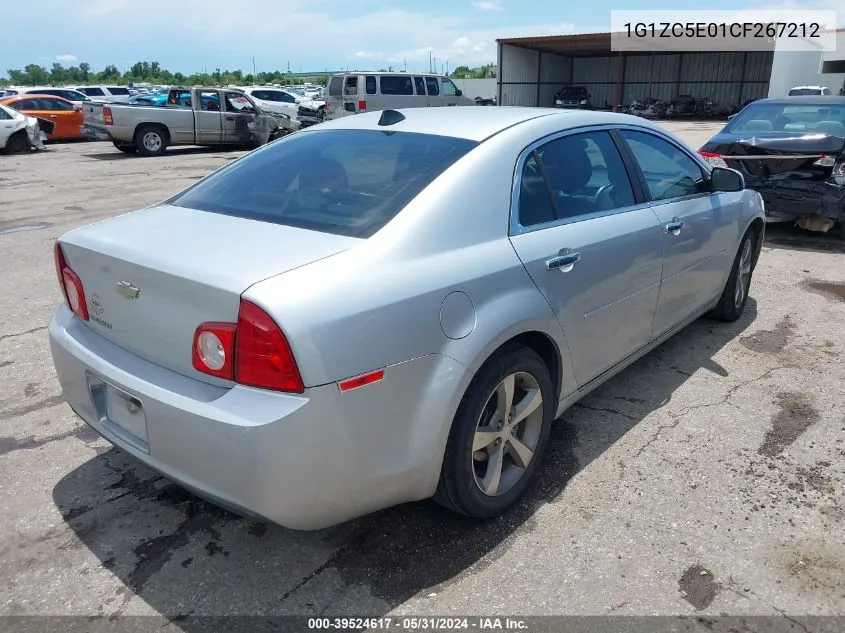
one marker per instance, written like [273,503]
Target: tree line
[152,72]
[143,72]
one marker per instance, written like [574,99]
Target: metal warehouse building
[532,69]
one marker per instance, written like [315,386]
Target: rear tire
[482,441]
[151,140]
[735,294]
[18,143]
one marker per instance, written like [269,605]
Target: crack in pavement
[35,329]
[793,620]
[578,405]
[676,417]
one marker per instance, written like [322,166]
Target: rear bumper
[303,461]
[95,133]
[802,199]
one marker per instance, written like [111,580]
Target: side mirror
[723,179]
[459,93]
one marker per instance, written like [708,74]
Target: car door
[435,98]
[397,91]
[238,119]
[422,99]
[450,92]
[591,243]
[65,115]
[7,126]
[209,118]
[698,225]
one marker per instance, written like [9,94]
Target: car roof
[803,99]
[808,87]
[471,122]
[35,95]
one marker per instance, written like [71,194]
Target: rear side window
[55,104]
[419,84]
[335,86]
[346,182]
[92,92]
[392,85]
[433,87]
[371,85]
[117,91]
[351,88]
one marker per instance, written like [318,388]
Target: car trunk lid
[152,276]
[779,156]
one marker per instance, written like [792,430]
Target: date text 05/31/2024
[407,623]
[713,29]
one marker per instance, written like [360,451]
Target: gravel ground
[705,479]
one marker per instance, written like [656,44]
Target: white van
[357,92]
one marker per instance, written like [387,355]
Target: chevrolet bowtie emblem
[128,290]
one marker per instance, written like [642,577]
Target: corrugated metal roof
[581,43]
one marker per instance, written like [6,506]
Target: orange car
[67,117]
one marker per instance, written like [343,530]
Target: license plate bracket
[120,412]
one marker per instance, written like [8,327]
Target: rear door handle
[230,118]
[564,263]
[674,227]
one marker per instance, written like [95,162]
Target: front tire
[499,434]
[735,294]
[18,143]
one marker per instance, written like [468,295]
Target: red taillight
[107,117]
[263,357]
[714,159]
[362,106]
[214,349]
[71,285]
[253,351]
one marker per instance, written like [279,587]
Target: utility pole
[429,60]
[253,67]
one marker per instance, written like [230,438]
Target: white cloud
[222,37]
[66,58]
[488,5]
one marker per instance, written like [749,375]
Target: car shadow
[783,235]
[182,555]
[116,154]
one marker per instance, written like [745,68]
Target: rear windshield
[761,118]
[347,182]
[803,92]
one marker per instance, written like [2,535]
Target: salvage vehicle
[809,91]
[105,94]
[312,332]
[358,92]
[573,97]
[19,133]
[149,129]
[68,120]
[791,150]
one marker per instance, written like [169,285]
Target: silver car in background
[393,306]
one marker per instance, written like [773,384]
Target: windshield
[803,92]
[792,119]
[347,182]
[573,93]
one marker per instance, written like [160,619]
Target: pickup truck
[148,129]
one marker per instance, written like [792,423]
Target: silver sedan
[394,306]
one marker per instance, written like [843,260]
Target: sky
[309,35]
